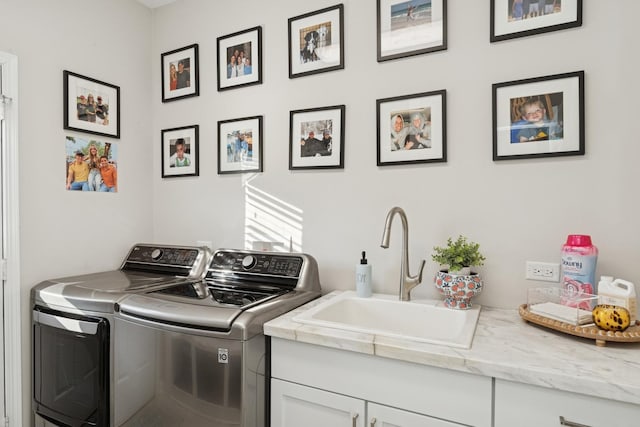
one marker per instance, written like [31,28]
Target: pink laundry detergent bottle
[579,258]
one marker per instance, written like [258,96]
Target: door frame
[12,304]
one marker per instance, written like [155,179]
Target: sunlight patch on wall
[269,219]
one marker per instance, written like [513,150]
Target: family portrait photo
[317,138]
[180,151]
[239,145]
[412,129]
[180,73]
[240,59]
[521,18]
[412,27]
[90,105]
[91,165]
[539,117]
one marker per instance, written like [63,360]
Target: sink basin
[426,321]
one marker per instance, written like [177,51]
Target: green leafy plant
[458,254]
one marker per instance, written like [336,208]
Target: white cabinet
[313,383]
[295,405]
[524,405]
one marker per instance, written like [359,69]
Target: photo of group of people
[536,118]
[240,146]
[526,9]
[180,152]
[180,74]
[313,40]
[91,165]
[411,129]
[239,61]
[311,146]
[410,13]
[92,109]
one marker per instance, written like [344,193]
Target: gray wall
[517,210]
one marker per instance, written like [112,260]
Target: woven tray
[631,334]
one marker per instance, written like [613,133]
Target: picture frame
[240,146]
[539,117]
[509,20]
[410,27]
[412,129]
[246,44]
[308,152]
[316,42]
[90,105]
[180,151]
[180,73]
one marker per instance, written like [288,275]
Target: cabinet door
[523,405]
[384,416]
[294,405]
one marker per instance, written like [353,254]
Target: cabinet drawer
[384,416]
[524,405]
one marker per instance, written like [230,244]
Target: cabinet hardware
[564,422]
[354,420]
[373,422]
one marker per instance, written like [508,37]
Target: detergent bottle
[579,258]
[618,292]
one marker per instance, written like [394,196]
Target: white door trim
[12,303]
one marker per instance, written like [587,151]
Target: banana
[611,317]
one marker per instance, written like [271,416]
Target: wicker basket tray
[631,334]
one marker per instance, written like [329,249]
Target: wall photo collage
[541,116]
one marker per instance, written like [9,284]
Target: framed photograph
[90,105]
[180,76]
[539,117]
[180,155]
[91,165]
[412,129]
[411,27]
[521,18]
[240,145]
[240,59]
[317,138]
[316,42]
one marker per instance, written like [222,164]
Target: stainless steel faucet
[407,282]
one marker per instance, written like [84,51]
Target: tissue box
[562,305]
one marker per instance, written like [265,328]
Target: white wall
[517,210]
[64,232]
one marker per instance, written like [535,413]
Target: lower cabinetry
[526,405]
[316,386]
[295,405]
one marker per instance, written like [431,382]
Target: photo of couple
[179,74]
[411,129]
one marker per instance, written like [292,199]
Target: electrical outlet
[545,271]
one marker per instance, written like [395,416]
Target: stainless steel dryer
[73,332]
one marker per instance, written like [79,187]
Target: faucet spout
[407,281]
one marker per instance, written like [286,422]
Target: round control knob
[248,262]
[156,254]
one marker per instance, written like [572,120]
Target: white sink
[426,321]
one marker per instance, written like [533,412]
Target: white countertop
[504,346]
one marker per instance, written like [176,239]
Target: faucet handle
[420,272]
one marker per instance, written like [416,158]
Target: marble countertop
[504,346]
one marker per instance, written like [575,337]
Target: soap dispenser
[363,277]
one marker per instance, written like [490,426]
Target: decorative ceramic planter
[458,289]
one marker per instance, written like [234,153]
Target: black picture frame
[316,42]
[412,129]
[236,75]
[308,152]
[425,20]
[509,22]
[172,166]
[240,145]
[90,105]
[539,117]
[182,85]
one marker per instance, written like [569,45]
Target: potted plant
[457,282]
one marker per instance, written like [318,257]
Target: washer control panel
[164,255]
[257,263]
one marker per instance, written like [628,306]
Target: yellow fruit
[611,317]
